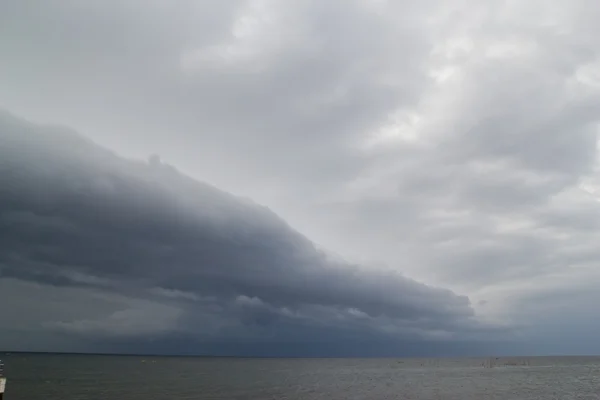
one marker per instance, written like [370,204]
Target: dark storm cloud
[77,217]
[455,142]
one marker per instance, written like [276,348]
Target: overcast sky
[419,176]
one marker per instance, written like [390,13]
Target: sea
[98,377]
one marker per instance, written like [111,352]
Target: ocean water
[79,377]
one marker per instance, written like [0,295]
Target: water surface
[79,377]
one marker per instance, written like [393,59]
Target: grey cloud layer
[452,141]
[75,216]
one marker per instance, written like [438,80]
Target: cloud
[451,142]
[175,255]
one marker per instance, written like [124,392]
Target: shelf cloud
[348,176]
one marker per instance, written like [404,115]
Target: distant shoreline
[391,357]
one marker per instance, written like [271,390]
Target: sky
[257,177]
